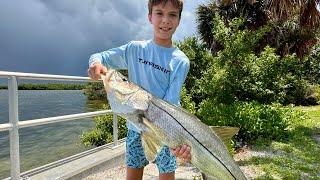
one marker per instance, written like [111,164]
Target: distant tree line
[54,86]
[3,87]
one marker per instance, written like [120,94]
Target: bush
[256,121]
[186,101]
[316,95]
[311,67]
[238,74]
[200,58]
[102,133]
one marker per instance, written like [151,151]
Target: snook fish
[161,123]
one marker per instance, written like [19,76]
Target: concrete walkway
[150,173]
[104,162]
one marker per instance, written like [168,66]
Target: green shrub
[311,68]
[200,58]
[96,137]
[186,101]
[102,133]
[256,121]
[316,90]
[238,74]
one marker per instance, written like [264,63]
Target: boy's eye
[173,15]
[159,13]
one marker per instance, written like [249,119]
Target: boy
[159,68]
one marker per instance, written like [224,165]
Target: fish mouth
[106,78]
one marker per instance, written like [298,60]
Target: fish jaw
[106,79]
[124,97]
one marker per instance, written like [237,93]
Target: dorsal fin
[225,133]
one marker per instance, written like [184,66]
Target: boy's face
[165,19]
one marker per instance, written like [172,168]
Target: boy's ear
[149,17]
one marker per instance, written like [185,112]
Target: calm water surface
[47,143]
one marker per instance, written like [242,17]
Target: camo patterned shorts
[135,157]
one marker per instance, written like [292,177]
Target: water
[47,143]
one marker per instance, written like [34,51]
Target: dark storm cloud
[58,36]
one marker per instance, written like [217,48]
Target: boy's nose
[165,19]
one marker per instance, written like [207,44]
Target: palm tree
[295,23]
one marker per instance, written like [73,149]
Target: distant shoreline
[53,86]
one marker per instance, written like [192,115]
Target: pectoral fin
[224,132]
[150,142]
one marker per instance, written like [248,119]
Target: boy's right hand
[182,152]
[95,70]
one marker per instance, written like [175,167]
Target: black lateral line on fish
[195,138]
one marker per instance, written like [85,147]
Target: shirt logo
[156,66]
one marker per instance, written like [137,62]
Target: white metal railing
[14,124]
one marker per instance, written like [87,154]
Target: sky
[58,36]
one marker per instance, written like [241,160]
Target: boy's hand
[182,152]
[95,70]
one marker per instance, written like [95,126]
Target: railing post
[115,129]
[14,133]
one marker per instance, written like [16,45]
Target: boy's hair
[176,3]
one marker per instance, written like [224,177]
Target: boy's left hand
[182,152]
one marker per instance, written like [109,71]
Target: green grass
[297,157]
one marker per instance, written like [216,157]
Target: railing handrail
[35,76]
[55,119]
[14,124]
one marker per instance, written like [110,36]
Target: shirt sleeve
[177,79]
[115,58]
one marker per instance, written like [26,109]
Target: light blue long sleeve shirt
[159,70]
